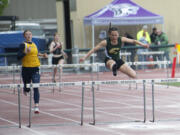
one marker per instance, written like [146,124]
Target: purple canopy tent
[121,12]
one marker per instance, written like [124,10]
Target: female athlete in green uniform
[113,45]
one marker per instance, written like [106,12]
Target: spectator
[153,38]
[162,40]
[143,36]
[144,31]
[153,35]
[131,50]
[141,57]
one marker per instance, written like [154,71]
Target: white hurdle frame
[92,83]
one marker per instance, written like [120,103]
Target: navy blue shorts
[30,75]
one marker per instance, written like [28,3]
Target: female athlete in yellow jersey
[28,53]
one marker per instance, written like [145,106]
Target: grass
[176,84]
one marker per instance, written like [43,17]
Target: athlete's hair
[25,32]
[55,34]
[112,29]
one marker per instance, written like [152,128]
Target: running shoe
[36,109]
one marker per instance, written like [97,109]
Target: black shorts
[55,60]
[119,62]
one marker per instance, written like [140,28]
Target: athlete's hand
[65,55]
[58,46]
[146,45]
[81,60]
[28,50]
[45,55]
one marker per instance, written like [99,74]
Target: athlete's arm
[43,55]
[124,39]
[98,46]
[21,53]
[52,48]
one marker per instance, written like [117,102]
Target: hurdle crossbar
[92,83]
[9,68]
[152,53]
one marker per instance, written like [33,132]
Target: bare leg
[127,70]
[61,61]
[112,65]
[54,74]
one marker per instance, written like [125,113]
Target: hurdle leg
[19,105]
[153,108]
[14,91]
[82,104]
[20,77]
[92,78]
[144,95]
[93,97]
[167,65]
[98,76]
[30,107]
[53,78]
[60,78]
[129,84]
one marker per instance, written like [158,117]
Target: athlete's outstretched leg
[128,71]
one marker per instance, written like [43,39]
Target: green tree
[3,4]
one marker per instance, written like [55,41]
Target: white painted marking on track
[53,115]
[29,129]
[146,126]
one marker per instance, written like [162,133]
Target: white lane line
[121,102]
[88,108]
[24,127]
[53,115]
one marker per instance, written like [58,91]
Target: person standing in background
[142,32]
[162,40]
[141,57]
[131,50]
[153,35]
[28,53]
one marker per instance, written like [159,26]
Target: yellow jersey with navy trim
[30,59]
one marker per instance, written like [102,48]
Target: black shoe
[53,80]
[114,69]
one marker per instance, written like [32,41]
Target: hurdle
[160,53]
[112,82]
[37,85]
[154,62]
[15,67]
[18,86]
[144,82]
[92,83]
[153,81]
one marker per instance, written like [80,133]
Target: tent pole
[93,42]
[85,42]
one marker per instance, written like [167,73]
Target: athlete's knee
[133,75]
